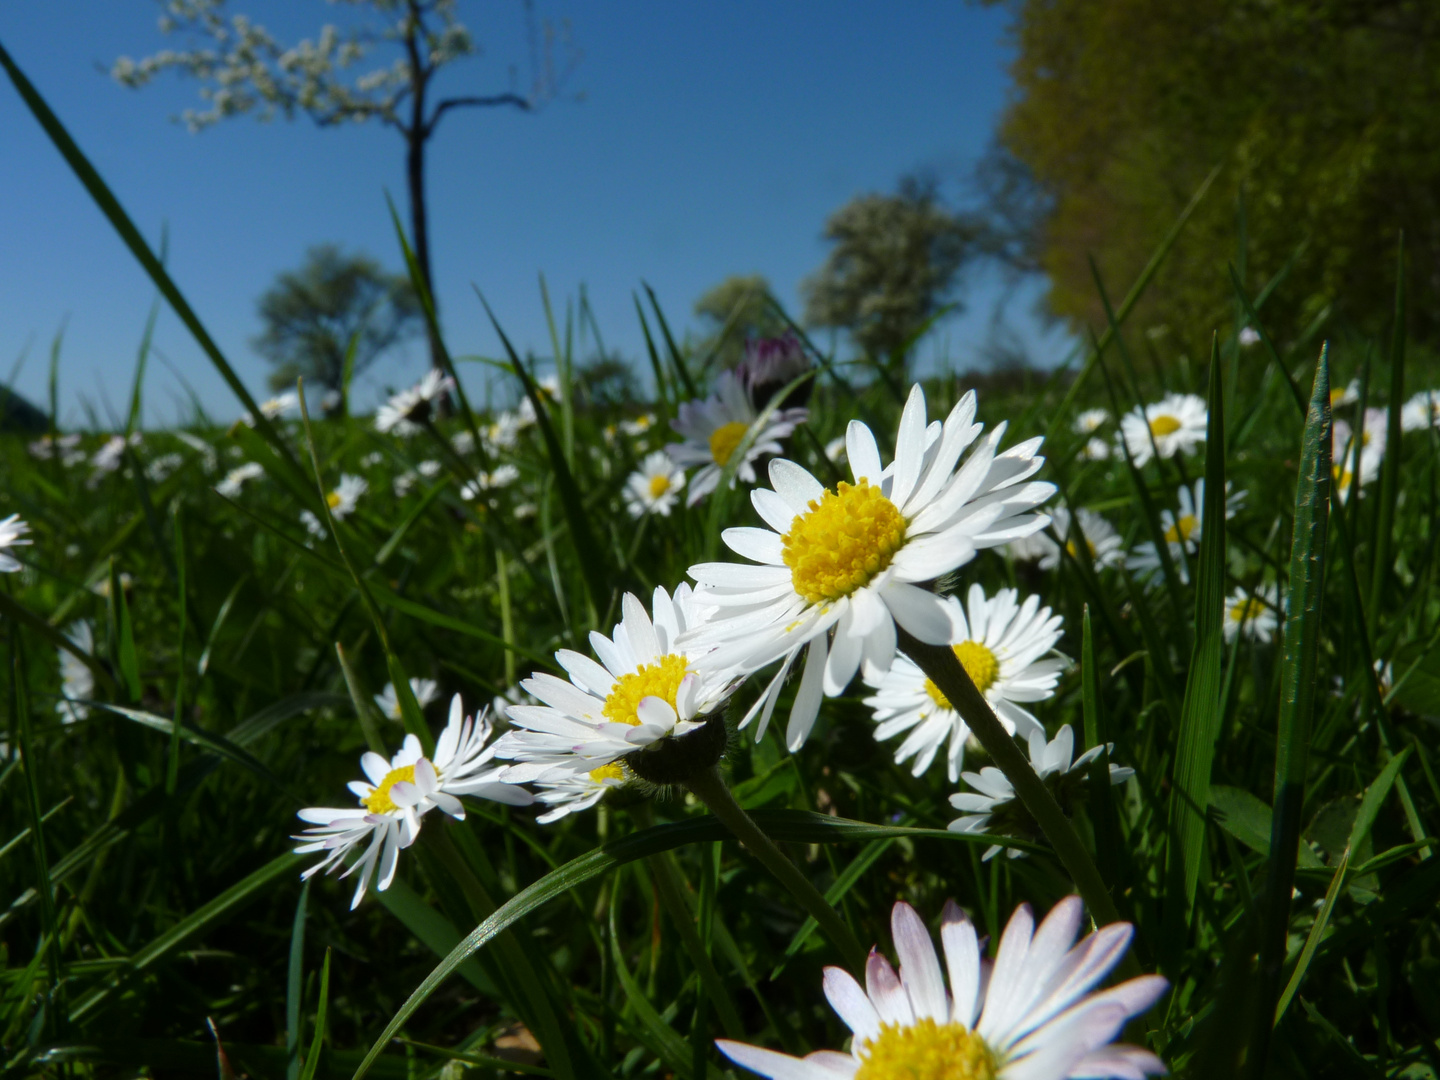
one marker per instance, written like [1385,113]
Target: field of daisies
[803,720]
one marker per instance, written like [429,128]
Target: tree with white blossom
[339,76]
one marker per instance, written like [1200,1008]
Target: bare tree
[337,77]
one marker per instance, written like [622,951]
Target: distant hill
[17,414]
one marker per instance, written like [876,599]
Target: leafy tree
[311,315]
[740,307]
[248,71]
[894,263]
[1321,113]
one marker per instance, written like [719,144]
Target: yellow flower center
[1182,529]
[379,801]
[979,663]
[659,485]
[333,499]
[1164,425]
[926,1050]
[1089,544]
[844,539]
[1343,476]
[1246,610]
[724,440]
[613,771]
[660,680]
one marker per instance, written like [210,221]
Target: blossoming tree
[337,77]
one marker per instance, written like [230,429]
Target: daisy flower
[274,407]
[406,411]
[1421,411]
[398,793]
[646,690]
[501,476]
[1252,615]
[996,800]
[77,681]
[236,477]
[566,792]
[771,364]
[1004,647]
[1176,424]
[713,429]
[1090,421]
[1182,531]
[12,535]
[1103,542]
[1249,336]
[64,447]
[1031,1015]
[343,499]
[1343,454]
[835,449]
[548,389]
[502,433]
[639,426]
[425,691]
[654,487]
[1345,396]
[1096,449]
[851,564]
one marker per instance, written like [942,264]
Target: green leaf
[295,983]
[1247,819]
[781,825]
[1200,710]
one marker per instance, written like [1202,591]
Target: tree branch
[491,101]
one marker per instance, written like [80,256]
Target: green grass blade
[125,657]
[295,983]
[172,769]
[365,710]
[1200,709]
[677,359]
[1299,676]
[312,1059]
[132,421]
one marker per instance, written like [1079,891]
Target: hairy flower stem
[946,672]
[710,789]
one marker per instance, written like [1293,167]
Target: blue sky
[712,139]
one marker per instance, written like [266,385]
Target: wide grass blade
[1298,678]
[1200,710]
[295,982]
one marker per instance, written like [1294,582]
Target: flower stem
[946,672]
[710,789]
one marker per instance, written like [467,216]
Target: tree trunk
[419,229]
